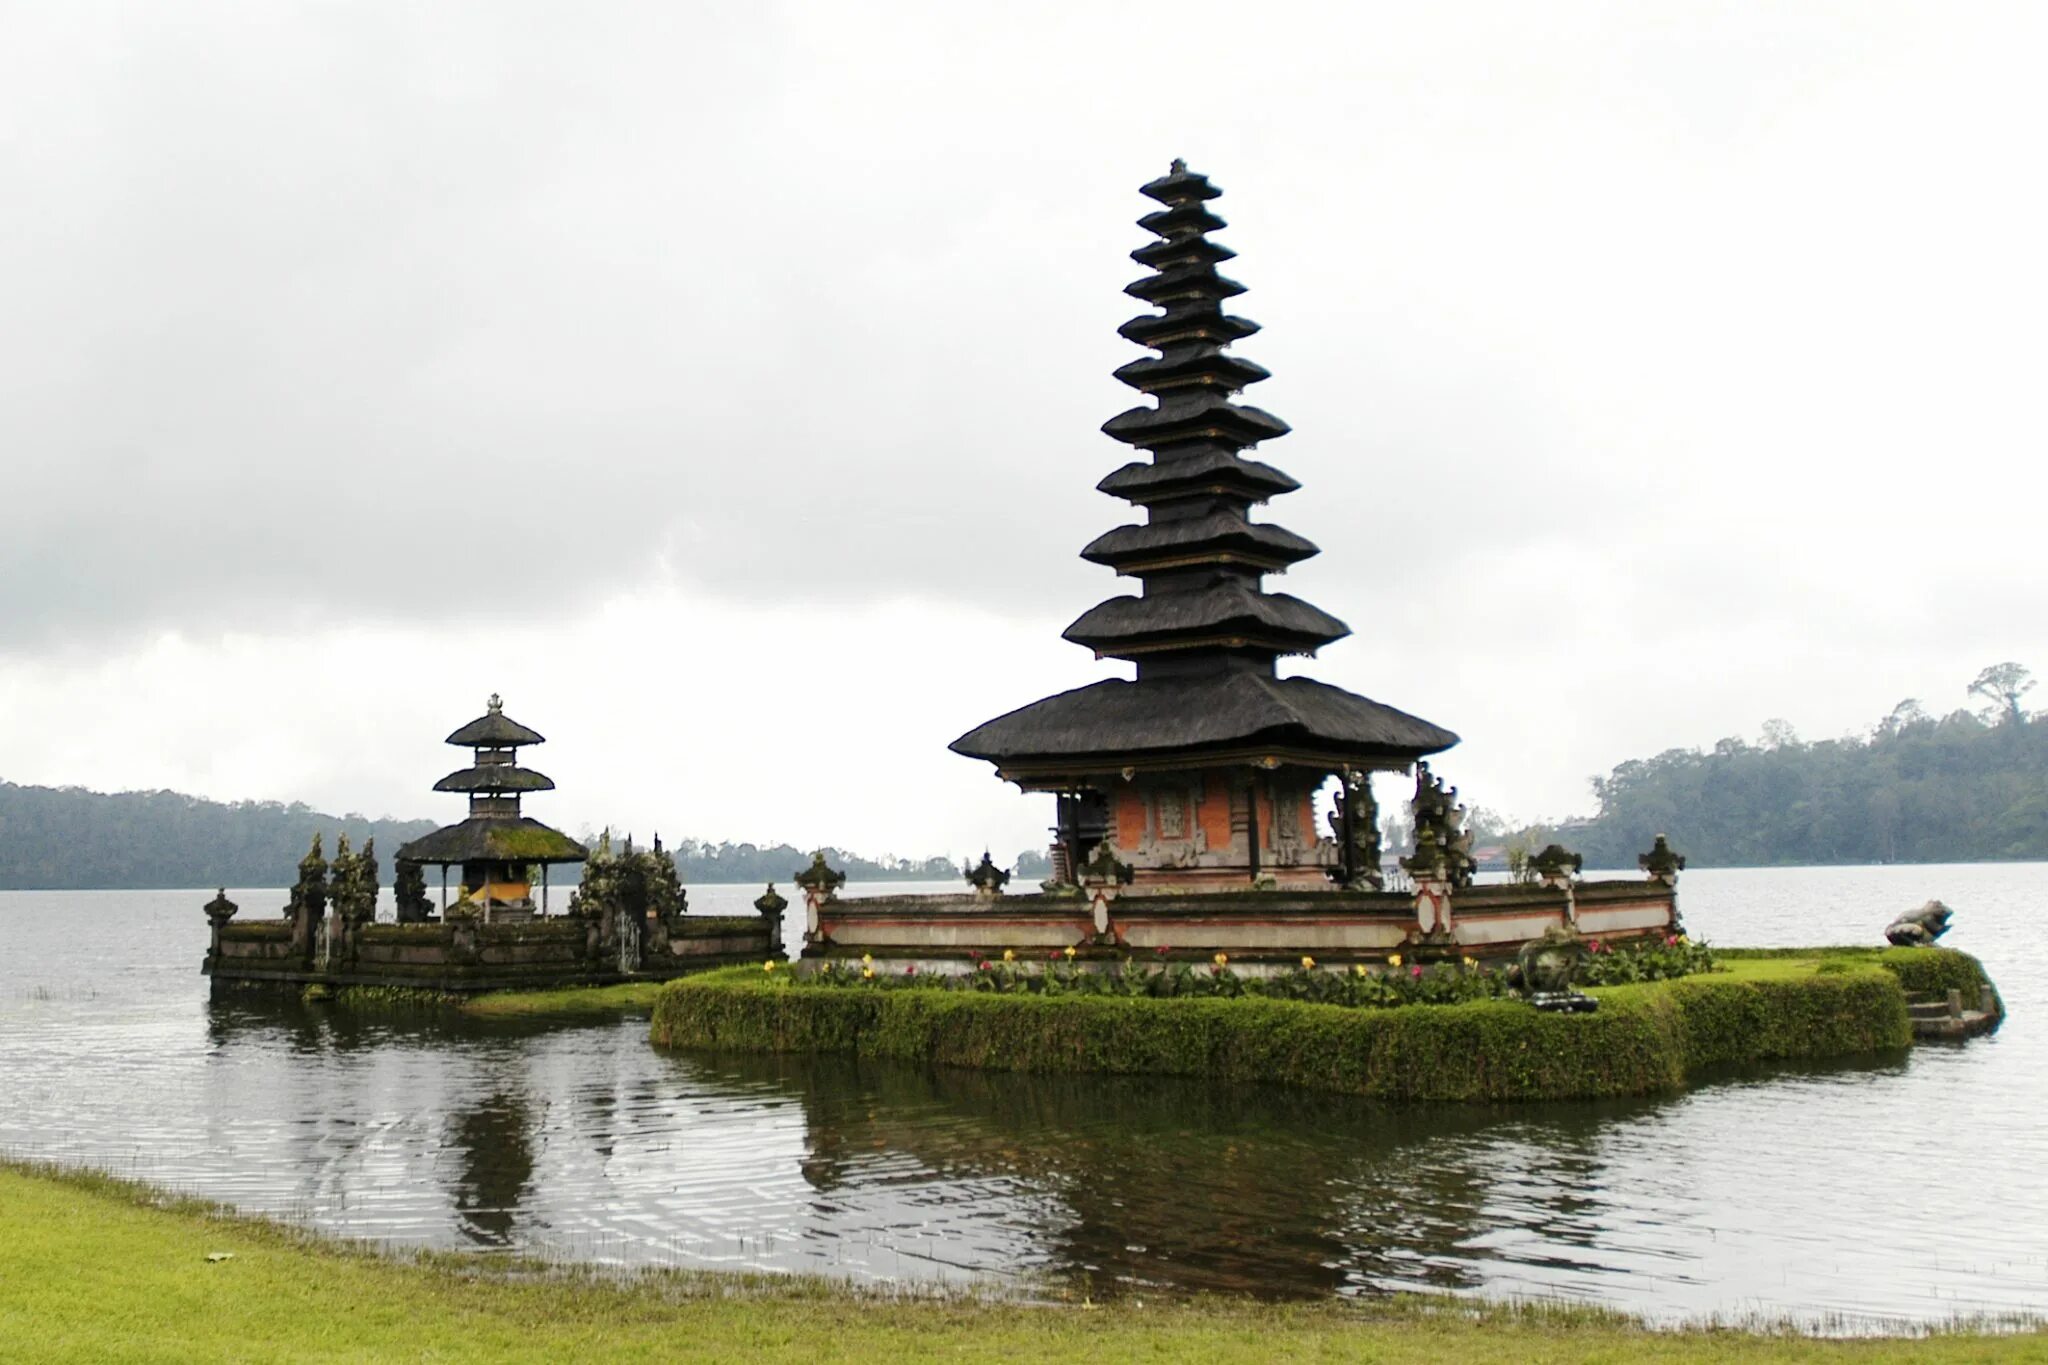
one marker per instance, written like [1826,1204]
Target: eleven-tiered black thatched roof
[1203,632]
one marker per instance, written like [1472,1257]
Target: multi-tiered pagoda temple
[497,847]
[1204,770]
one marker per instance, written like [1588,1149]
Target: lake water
[1900,1189]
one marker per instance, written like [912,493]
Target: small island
[627,921]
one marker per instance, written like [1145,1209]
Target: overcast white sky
[721,383]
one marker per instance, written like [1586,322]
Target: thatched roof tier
[495,777]
[1212,469]
[495,730]
[1196,322]
[1123,627]
[1115,724]
[1194,415]
[1181,186]
[1187,364]
[495,840]
[1196,540]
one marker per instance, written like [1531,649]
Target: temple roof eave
[1114,724]
[495,777]
[1221,609]
[495,730]
[1190,540]
[499,839]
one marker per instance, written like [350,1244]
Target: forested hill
[1964,788]
[66,838]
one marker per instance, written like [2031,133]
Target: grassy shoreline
[1644,1039]
[96,1268]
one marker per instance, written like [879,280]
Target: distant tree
[1910,789]
[2002,685]
[1904,716]
[1779,734]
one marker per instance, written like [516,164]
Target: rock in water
[1918,928]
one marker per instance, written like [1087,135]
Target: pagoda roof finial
[495,705]
[1179,167]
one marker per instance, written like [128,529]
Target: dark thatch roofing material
[1217,533]
[1114,720]
[497,840]
[1225,607]
[495,777]
[495,730]
[1209,467]
[1193,416]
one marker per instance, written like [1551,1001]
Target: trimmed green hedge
[1643,1039]
[1933,970]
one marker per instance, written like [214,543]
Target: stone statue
[1546,969]
[409,886]
[309,901]
[1361,860]
[309,893]
[1443,846]
[1919,928]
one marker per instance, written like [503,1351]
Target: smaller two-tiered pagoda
[498,848]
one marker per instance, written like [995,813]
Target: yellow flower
[1223,959]
[867,973]
[769,965]
[867,960]
[1393,959]
[1358,969]
[1471,962]
[1070,952]
[1308,964]
[1009,955]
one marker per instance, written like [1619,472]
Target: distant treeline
[70,839]
[701,862]
[67,839]
[1968,787]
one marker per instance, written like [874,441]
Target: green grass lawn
[632,997]
[93,1269]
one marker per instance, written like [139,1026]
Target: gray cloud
[1586,318]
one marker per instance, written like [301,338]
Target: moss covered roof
[495,839]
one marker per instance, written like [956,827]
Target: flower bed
[1646,1037]
[1400,982]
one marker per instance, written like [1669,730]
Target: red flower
[1053,956]
[1416,970]
[982,965]
[911,970]
[1162,950]
[1670,940]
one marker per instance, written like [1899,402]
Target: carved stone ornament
[771,902]
[1556,865]
[986,878]
[220,909]
[1660,863]
[1103,868]
[820,881]
[1918,928]
[1546,969]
